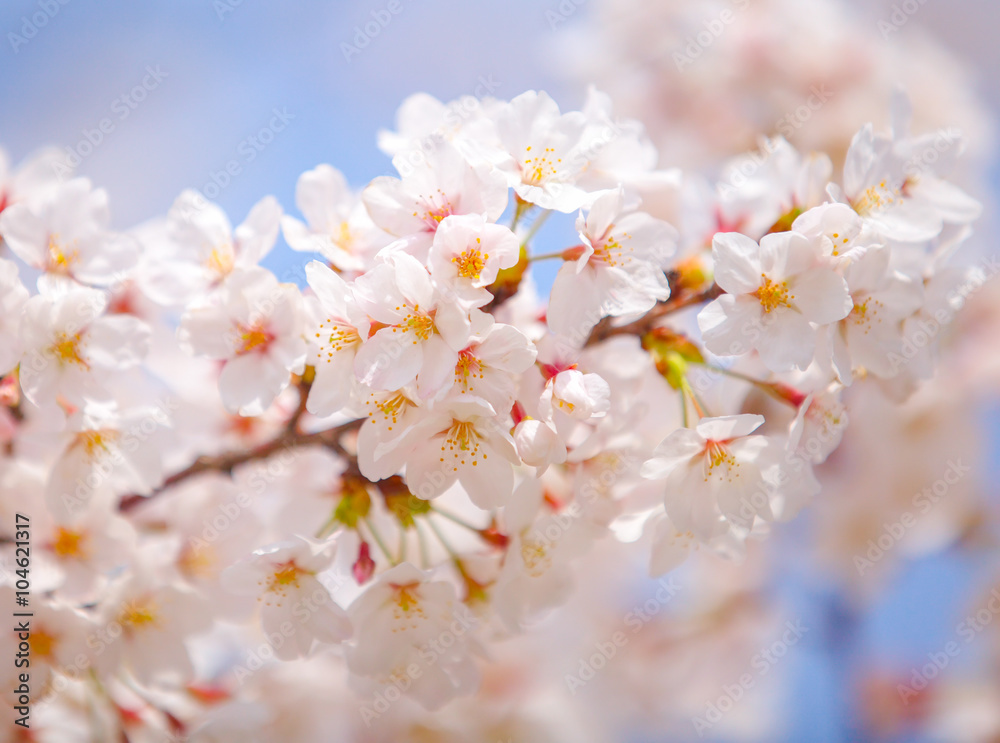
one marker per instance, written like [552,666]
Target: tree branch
[678,301]
[289,439]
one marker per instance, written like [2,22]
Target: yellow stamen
[66,350]
[70,544]
[773,294]
[471,262]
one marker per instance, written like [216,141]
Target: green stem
[440,536]
[544,257]
[324,531]
[378,540]
[402,545]
[456,519]
[537,225]
[422,541]
[520,210]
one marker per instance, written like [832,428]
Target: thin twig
[604,329]
[226,462]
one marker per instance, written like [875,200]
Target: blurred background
[190,87]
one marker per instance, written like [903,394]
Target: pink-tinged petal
[952,203]
[674,451]
[393,208]
[331,290]
[388,361]
[787,341]
[332,386]
[670,547]
[840,355]
[413,280]
[438,368]
[605,209]
[737,262]
[25,234]
[785,254]
[453,323]
[426,476]
[730,324]
[868,269]
[507,348]
[489,482]
[248,384]
[78,308]
[728,427]
[821,295]
[860,157]
[117,342]
[209,331]
[652,240]
[258,233]
[320,194]
[908,222]
[574,304]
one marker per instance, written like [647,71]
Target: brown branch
[288,439]
[678,301]
[304,385]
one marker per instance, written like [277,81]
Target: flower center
[70,544]
[343,237]
[42,643]
[610,249]
[421,324]
[534,555]
[539,167]
[341,336]
[468,369]
[471,262]
[434,216]
[773,294]
[717,455]
[198,561]
[876,199]
[252,338]
[222,260]
[58,260]
[139,614]
[96,442]
[285,575]
[392,407]
[462,444]
[407,598]
[67,349]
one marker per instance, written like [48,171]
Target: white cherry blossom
[617,271]
[283,577]
[337,224]
[256,327]
[778,293]
[439,184]
[67,235]
[70,344]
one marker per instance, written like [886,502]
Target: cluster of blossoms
[393,457]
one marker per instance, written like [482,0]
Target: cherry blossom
[337,224]
[778,292]
[255,326]
[67,235]
[341,508]
[284,579]
[404,621]
[69,341]
[441,184]
[617,271]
